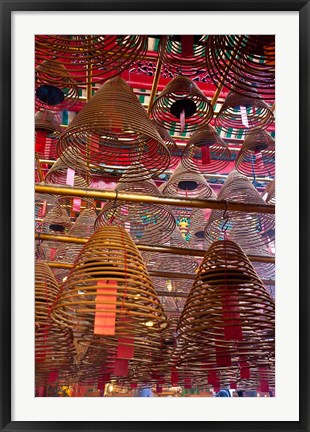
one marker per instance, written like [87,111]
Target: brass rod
[147,248]
[164,200]
[39,168]
[155,83]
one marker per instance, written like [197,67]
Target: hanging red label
[105,314]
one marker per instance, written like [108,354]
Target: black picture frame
[7,7]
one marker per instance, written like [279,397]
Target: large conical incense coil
[108,290]
[54,350]
[92,58]
[184,183]
[198,222]
[78,174]
[55,87]
[244,63]
[170,144]
[48,130]
[182,105]
[269,194]
[46,290]
[113,131]
[228,311]
[250,230]
[241,113]
[83,227]
[56,220]
[206,151]
[184,54]
[257,155]
[145,222]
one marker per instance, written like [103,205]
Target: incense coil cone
[182,94]
[46,290]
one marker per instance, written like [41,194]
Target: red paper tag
[53,376]
[213,378]
[125,348]
[187,383]
[40,391]
[231,315]
[70,177]
[182,120]
[187,43]
[52,253]
[263,376]
[105,314]
[244,370]
[77,205]
[121,367]
[133,385]
[174,378]
[233,385]
[40,141]
[159,388]
[205,155]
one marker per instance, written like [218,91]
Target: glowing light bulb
[149,323]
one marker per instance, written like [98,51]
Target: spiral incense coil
[56,90]
[56,220]
[83,227]
[184,54]
[249,230]
[182,105]
[243,63]
[269,194]
[109,256]
[75,206]
[206,151]
[241,113]
[170,144]
[118,136]
[58,173]
[92,58]
[228,311]
[46,290]
[54,349]
[184,183]
[257,155]
[48,130]
[145,222]
[198,222]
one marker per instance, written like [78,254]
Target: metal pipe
[39,168]
[148,248]
[164,200]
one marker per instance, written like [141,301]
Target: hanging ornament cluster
[111,132]
[182,106]
[247,63]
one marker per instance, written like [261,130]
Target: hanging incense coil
[245,63]
[228,314]
[92,58]
[184,54]
[54,351]
[56,220]
[250,230]
[184,183]
[120,135]
[58,173]
[109,255]
[145,222]
[170,145]
[198,222]
[243,114]
[206,151]
[48,130]
[269,194]
[56,90]
[257,155]
[182,105]
[46,290]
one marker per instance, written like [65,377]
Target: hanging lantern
[243,114]
[184,183]
[56,90]
[228,317]
[206,151]
[118,136]
[144,221]
[257,155]
[184,54]
[250,230]
[48,130]
[246,62]
[182,106]
[92,58]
